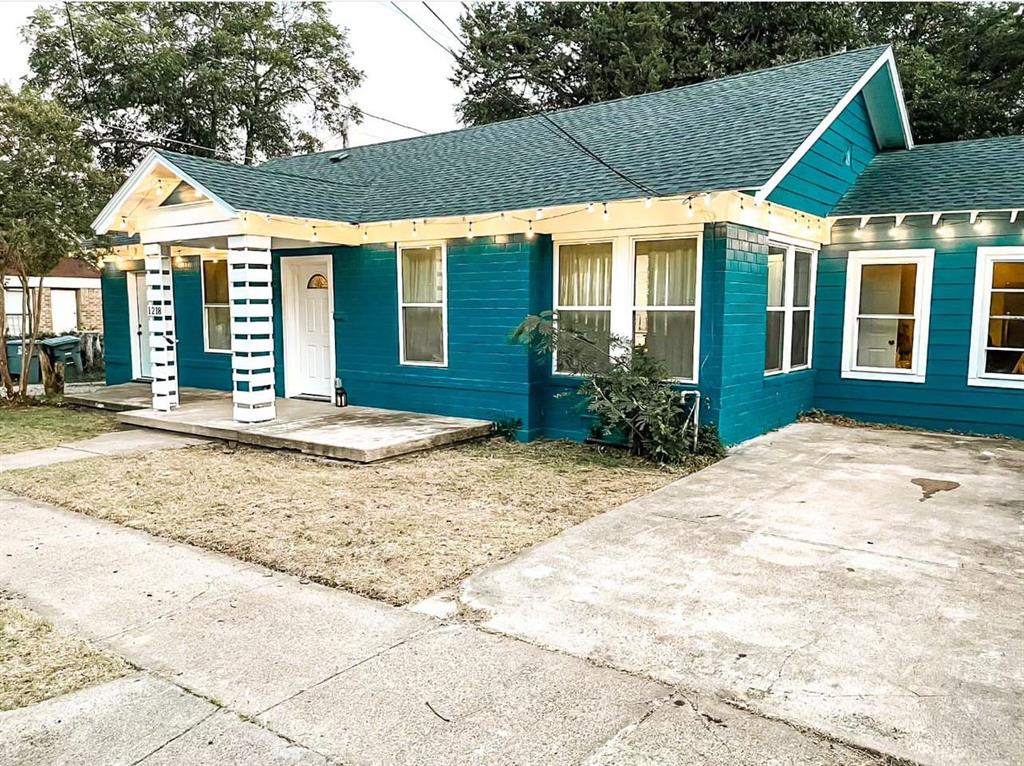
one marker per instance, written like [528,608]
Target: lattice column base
[252,328]
[163,347]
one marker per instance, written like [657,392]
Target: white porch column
[162,344]
[252,328]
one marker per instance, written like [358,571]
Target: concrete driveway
[866,583]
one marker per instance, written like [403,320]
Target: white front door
[308,346]
[138,316]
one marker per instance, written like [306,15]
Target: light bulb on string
[529,229]
[604,212]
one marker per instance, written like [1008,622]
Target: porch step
[359,434]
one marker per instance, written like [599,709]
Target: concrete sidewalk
[113,443]
[330,673]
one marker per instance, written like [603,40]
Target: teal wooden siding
[197,368]
[944,401]
[823,175]
[117,353]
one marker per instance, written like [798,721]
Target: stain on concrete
[930,486]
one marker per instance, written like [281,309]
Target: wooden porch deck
[360,434]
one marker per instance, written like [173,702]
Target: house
[70,300]
[775,237]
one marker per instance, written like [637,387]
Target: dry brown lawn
[397,531]
[38,662]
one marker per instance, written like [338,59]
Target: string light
[366,233]
[469,231]
[315,234]
[604,213]
[529,229]
[707,198]
[414,232]
[648,202]
[945,231]
[689,208]
[590,207]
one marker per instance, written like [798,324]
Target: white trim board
[976,375]
[886,58]
[65,283]
[925,261]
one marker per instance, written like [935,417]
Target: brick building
[71,300]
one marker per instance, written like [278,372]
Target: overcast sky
[406,74]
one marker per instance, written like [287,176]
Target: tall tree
[962,64]
[245,80]
[48,183]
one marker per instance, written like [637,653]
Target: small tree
[627,389]
[49,186]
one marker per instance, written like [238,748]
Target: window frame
[416,245]
[623,292]
[788,307]
[924,259]
[984,265]
[202,299]
[8,316]
[556,307]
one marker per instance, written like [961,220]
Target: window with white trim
[790,316]
[422,305]
[665,302]
[216,308]
[997,338]
[583,302]
[14,311]
[888,307]
[644,288]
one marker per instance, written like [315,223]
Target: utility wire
[539,116]
[443,22]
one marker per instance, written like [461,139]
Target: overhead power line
[539,116]
[443,22]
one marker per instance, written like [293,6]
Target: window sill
[983,382]
[885,376]
[437,365]
[226,351]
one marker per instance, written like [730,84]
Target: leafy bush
[628,390]
[506,427]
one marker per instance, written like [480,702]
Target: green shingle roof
[265,190]
[983,174]
[731,133]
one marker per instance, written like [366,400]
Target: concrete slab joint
[162,341]
[250,294]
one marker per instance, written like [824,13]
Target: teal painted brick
[944,401]
[822,176]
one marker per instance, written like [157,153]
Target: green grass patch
[33,426]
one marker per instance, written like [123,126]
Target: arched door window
[317,282]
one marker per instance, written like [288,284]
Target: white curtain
[666,273]
[421,275]
[585,274]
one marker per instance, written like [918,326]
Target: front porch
[359,434]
